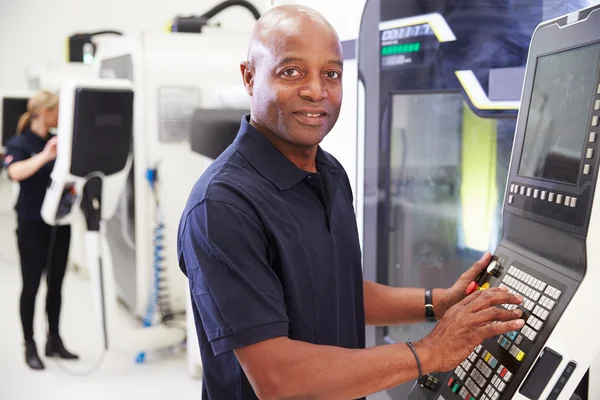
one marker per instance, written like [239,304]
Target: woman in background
[29,160]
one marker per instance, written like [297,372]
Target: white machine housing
[94,137]
[61,176]
[173,74]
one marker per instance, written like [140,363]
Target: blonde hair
[43,100]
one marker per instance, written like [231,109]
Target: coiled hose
[159,297]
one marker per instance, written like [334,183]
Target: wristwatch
[429,314]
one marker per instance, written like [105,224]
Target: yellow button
[485,286]
[520,356]
[487,358]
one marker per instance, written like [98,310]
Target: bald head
[280,24]
[293,74]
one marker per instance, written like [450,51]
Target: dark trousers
[41,248]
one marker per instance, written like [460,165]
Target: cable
[160,292]
[49,257]
[231,3]
[108,32]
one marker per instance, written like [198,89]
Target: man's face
[297,84]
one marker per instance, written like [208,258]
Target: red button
[504,370]
[450,382]
[472,288]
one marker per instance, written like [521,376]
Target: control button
[597,105]
[522,190]
[520,356]
[501,387]
[494,268]
[512,188]
[503,371]
[472,288]
[485,286]
[478,349]
[550,197]
[528,192]
[593,135]
[595,121]
[589,153]
[598,89]
[536,193]
[573,202]
[586,169]
[519,340]
[508,376]
[559,198]
[510,199]
[543,197]
[567,200]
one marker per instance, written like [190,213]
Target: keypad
[543,195]
[481,376]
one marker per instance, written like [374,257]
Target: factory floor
[116,377]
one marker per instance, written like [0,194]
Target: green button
[455,388]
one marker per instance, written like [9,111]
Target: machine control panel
[489,369]
[495,368]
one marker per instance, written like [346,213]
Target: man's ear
[247,76]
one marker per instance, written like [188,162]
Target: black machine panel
[214,130]
[553,181]
[95,134]
[496,368]
[12,109]
[561,91]
[441,83]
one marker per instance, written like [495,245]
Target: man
[270,245]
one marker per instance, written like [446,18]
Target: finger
[472,297]
[493,297]
[493,329]
[477,268]
[494,314]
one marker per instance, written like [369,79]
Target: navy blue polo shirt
[33,189]
[270,250]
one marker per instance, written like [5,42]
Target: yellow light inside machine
[479,190]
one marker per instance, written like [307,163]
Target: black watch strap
[429,313]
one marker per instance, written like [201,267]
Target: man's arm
[386,305]
[282,368]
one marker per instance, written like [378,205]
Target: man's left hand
[458,291]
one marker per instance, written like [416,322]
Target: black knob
[428,382]
[494,268]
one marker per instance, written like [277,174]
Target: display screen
[558,120]
[12,109]
[407,45]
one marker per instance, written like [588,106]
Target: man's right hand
[467,324]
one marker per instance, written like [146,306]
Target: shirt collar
[271,163]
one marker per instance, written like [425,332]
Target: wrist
[440,302]
[426,356]
[43,157]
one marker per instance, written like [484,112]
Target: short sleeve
[13,154]
[238,295]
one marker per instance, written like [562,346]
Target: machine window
[448,170]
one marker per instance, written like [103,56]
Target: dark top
[270,250]
[33,189]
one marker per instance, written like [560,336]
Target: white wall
[34,33]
